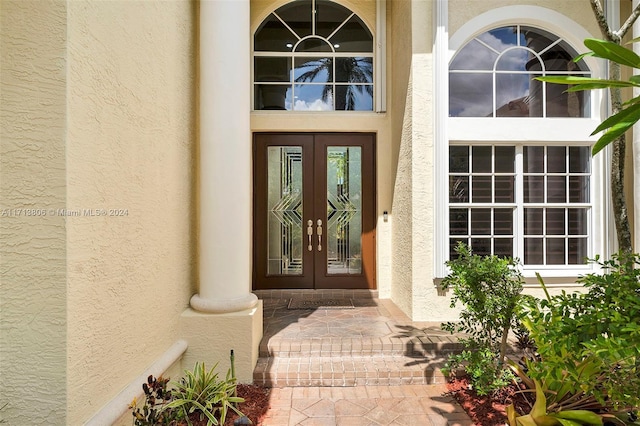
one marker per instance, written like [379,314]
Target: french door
[314,210]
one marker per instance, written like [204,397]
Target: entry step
[347,371]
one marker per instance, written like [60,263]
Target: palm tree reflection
[356,72]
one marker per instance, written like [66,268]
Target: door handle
[319,232]
[310,234]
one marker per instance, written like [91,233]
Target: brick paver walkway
[402,405]
[368,365]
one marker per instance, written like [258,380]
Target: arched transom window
[493,76]
[313,55]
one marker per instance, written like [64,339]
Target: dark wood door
[314,210]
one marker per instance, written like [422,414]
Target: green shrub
[489,289]
[589,344]
[200,391]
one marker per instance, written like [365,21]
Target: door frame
[315,277]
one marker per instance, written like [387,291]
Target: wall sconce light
[385,216]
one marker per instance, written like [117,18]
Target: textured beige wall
[400,52]
[365,9]
[32,181]
[461,11]
[131,88]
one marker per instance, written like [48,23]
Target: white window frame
[377,54]
[510,130]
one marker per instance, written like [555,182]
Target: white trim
[380,69]
[542,129]
[441,135]
[118,406]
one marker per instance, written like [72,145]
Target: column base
[212,336]
[221,306]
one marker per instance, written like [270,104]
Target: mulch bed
[487,410]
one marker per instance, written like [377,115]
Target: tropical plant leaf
[617,124]
[584,417]
[588,83]
[613,52]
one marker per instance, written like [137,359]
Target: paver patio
[367,365]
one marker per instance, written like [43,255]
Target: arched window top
[309,25]
[493,75]
[313,55]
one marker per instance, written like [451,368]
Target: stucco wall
[131,135]
[461,11]
[32,239]
[401,95]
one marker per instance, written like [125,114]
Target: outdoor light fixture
[385,216]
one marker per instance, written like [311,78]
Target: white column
[225,158]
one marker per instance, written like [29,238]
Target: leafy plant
[589,344]
[489,288]
[156,398]
[619,123]
[201,391]
[540,415]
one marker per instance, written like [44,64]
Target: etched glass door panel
[344,210]
[285,209]
[314,211]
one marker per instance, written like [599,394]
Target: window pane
[533,251]
[458,189]
[578,189]
[353,37]
[274,36]
[503,222]
[459,222]
[459,159]
[354,70]
[513,60]
[505,159]
[533,159]
[272,69]
[537,39]
[563,104]
[481,222]
[533,189]
[474,56]
[470,95]
[577,251]
[313,70]
[501,38]
[504,189]
[577,221]
[481,246]
[555,251]
[329,16]
[503,247]
[481,159]
[272,97]
[354,97]
[533,222]
[555,222]
[313,45]
[481,189]
[297,15]
[453,243]
[579,159]
[313,97]
[556,159]
[512,92]
[556,189]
